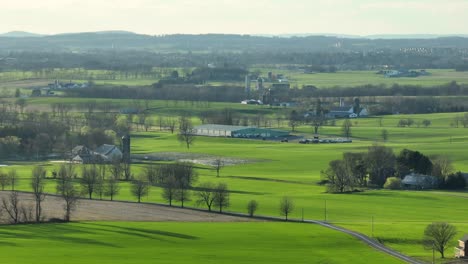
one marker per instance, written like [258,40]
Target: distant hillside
[20,34]
[122,40]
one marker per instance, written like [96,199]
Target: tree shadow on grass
[142,232]
[53,232]
[7,244]
[264,179]
[399,241]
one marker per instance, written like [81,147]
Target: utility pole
[372,226]
[302,214]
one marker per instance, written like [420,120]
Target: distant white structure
[252,102]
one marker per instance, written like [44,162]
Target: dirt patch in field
[203,159]
[95,210]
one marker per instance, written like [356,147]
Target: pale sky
[357,17]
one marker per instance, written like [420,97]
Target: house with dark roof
[81,154]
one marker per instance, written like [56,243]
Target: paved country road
[369,241]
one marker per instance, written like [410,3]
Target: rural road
[368,241]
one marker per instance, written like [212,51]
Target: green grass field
[292,169]
[113,242]
[321,80]
[357,78]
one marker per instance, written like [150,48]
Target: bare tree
[438,235]
[12,207]
[182,195]
[171,124]
[4,180]
[26,213]
[380,163]
[111,187]
[89,178]
[441,166]
[252,206]
[185,134]
[13,178]
[170,189]
[176,180]
[218,164]
[384,135]
[67,190]
[126,169]
[100,183]
[206,195]
[152,174]
[139,188]
[339,178]
[221,196]
[286,207]
[115,169]
[346,128]
[38,185]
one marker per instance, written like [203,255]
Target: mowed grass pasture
[123,242]
[291,169]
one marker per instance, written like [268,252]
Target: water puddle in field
[202,159]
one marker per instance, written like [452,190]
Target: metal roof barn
[238,131]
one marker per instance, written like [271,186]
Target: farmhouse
[346,112]
[105,153]
[109,152]
[461,251]
[419,181]
[237,131]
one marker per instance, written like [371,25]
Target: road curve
[368,241]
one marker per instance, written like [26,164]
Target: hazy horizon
[262,17]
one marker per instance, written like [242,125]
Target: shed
[419,181]
[214,130]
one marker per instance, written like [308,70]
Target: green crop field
[113,242]
[357,78]
[321,80]
[291,169]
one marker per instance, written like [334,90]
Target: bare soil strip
[96,210]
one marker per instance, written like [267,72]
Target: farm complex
[118,147]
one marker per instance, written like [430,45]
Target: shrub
[393,183]
[454,181]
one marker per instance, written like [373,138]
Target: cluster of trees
[380,167]
[199,50]
[196,94]
[32,134]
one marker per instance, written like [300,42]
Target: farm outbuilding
[418,181]
[212,130]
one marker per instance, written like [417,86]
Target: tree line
[380,167]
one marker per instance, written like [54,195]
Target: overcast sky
[357,17]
